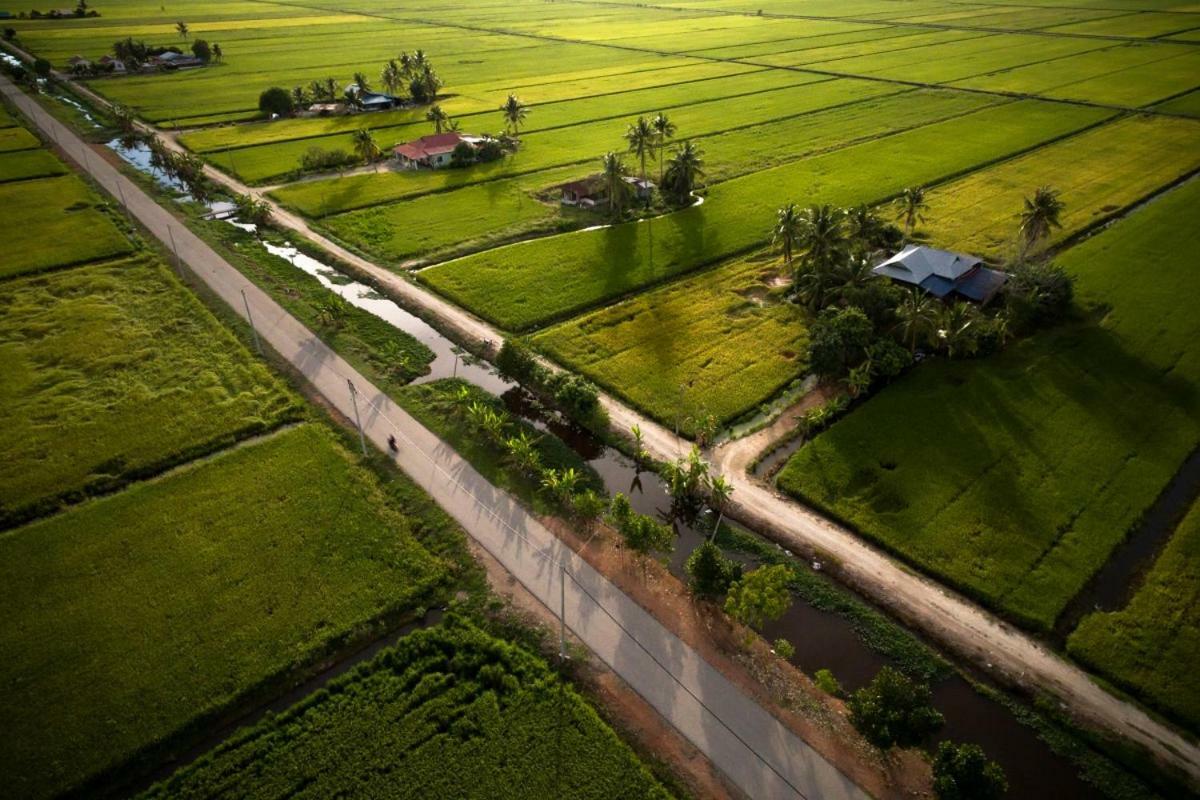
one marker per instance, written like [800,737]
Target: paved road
[754,750]
[956,622]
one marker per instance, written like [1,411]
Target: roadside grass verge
[1149,647]
[433,405]
[24,165]
[112,372]
[1014,477]
[450,695]
[720,342]
[43,223]
[1098,173]
[531,284]
[138,619]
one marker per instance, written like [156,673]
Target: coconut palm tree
[863,228]
[823,237]
[1042,213]
[917,314]
[329,89]
[438,117]
[954,333]
[612,169]
[299,97]
[182,28]
[514,112]
[360,81]
[786,234]
[910,207]
[366,146]
[684,171]
[390,77]
[640,138]
[217,53]
[664,129]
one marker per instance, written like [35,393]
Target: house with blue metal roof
[942,273]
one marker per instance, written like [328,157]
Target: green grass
[722,335]
[530,284]
[449,712]
[433,405]
[41,225]
[1149,647]
[1014,477]
[1098,173]
[111,372]
[134,620]
[15,138]
[25,164]
[1187,104]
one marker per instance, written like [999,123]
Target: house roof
[916,264]
[371,98]
[591,186]
[435,145]
[981,284]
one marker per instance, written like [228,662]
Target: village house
[942,273]
[79,64]
[172,60]
[434,151]
[588,192]
[110,64]
[378,101]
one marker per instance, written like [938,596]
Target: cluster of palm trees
[412,71]
[513,110]
[646,139]
[185,168]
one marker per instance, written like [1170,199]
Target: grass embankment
[114,371]
[135,618]
[720,342]
[450,712]
[434,406]
[1150,646]
[533,283]
[1015,476]
[42,221]
[1098,173]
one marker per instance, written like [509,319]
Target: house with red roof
[433,151]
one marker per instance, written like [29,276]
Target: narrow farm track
[759,754]
[976,635]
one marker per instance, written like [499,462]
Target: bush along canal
[829,627]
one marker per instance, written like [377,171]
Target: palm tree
[182,27]
[863,227]
[664,129]
[1040,215]
[366,146]
[612,168]
[640,138]
[391,77]
[438,117]
[299,97]
[327,89]
[360,80]
[217,54]
[686,167]
[953,323]
[916,313]
[514,112]
[823,237]
[910,207]
[788,226]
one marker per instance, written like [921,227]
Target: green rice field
[1030,466]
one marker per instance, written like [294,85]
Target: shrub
[963,772]
[275,101]
[760,595]
[202,51]
[784,649]
[42,68]
[894,711]
[489,151]
[316,159]
[838,341]
[710,573]
[1039,294]
[827,683]
[516,361]
[10,34]
[888,359]
[462,156]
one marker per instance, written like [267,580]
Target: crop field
[1099,172]
[41,222]
[15,138]
[1186,104]
[533,283]
[25,164]
[1149,647]
[1036,462]
[717,343]
[130,619]
[451,695]
[111,371]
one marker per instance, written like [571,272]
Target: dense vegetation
[136,617]
[1149,647]
[1030,466]
[450,712]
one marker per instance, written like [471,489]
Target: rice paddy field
[1029,467]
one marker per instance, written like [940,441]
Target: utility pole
[562,612]
[357,419]
[250,319]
